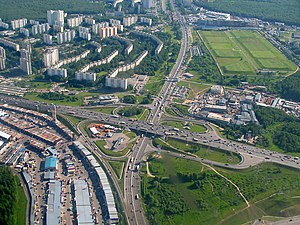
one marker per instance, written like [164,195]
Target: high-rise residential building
[75,21]
[58,28]
[19,23]
[85,76]
[90,21]
[24,31]
[2,58]
[147,4]
[108,32]
[51,57]
[25,62]
[84,33]
[114,22]
[146,20]
[66,36]
[96,27]
[47,39]
[56,17]
[34,22]
[40,28]
[26,45]
[4,25]
[129,20]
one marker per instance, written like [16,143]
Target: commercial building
[57,72]
[55,17]
[96,27]
[146,20]
[51,57]
[48,39]
[50,164]
[40,28]
[129,20]
[85,76]
[66,36]
[74,22]
[19,23]
[10,44]
[2,58]
[108,32]
[82,199]
[25,61]
[53,203]
[24,31]
[147,4]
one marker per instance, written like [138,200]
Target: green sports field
[246,52]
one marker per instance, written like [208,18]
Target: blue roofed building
[50,164]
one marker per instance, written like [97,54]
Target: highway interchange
[250,155]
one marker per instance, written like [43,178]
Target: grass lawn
[117,167]
[245,52]
[183,109]
[21,204]
[181,124]
[195,88]
[74,119]
[185,192]
[202,151]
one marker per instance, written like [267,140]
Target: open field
[185,192]
[195,88]
[243,52]
[117,167]
[21,211]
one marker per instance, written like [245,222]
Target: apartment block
[66,36]
[147,4]
[113,22]
[146,20]
[19,23]
[4,25]
[74,22]
[24,31]
[10,44]
[57,72]
[34,22]
[48,39]
[55,17]
[25,61]
[40,28]
[84,33]
[90,21]
[2,58]
[85,76]
[108,32]
[129,20]
[51,57]
[96,27]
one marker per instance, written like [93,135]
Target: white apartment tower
[15,24]
[66,36]
[48,39]
[147,4]
[2,58]
[55,17]
[75,21]
[40,28]
[51,57]
[25,61]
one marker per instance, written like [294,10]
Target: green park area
[206,152]
[189,193]
[107,110]
[181,125]
[244,52]
[137,113]
[117,167]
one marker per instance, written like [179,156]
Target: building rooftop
[50,163]
[53,203]
[4,135]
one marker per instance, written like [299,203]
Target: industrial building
[82,199]
[98,176]
[53,203]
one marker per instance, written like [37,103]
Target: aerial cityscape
[136,112]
